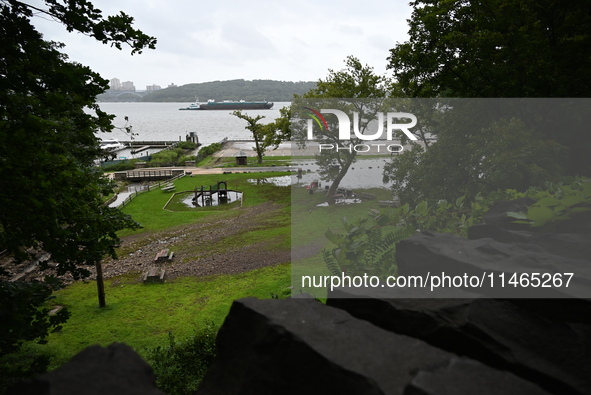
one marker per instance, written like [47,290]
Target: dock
[148,175]
[138,146]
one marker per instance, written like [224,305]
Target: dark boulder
[491,265]
[553,353]
[300,346]
[114,370]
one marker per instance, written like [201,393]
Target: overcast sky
[222,40]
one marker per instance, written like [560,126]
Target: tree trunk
[259,151]
[335,184]
[100,285]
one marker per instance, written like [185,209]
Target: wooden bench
[164,255]
[154,275]
[366,196]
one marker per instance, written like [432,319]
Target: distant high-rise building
[115,84]
[127,86]
[150,88]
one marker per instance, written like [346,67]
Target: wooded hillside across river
[219,90]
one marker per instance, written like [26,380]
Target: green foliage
[355,81]
[25,317]
[475,153]
[557,203]
[278,130]
[369,244]
[24,314]
[121,166]
[504,49]
[17,367]
[179,367]
[173,156]
[364,248]
[81,16]
[51,195]
[167,157]
[500,48]
[208,150]
[186,145]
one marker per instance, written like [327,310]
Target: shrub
[180,366]
[121,166]
[209,150]
[186,145]
[167,157]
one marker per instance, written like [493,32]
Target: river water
[164,122]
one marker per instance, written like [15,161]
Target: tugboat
[192,106]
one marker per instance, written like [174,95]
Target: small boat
[112,145]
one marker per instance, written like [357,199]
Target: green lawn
[141,315]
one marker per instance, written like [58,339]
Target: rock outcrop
[504,334]
[114,370]
[301,346]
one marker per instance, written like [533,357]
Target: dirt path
[199,249]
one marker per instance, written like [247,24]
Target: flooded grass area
[214,200]
[280,181]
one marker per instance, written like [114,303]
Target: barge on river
[230,105]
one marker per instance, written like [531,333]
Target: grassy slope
[142,315]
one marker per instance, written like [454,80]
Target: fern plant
[367,247]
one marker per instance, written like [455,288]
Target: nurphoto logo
[393,120]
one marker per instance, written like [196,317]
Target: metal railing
[149,188]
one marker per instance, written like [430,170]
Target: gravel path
[199,250]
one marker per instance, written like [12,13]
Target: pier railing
[150,187]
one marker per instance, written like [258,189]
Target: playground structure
[209,192]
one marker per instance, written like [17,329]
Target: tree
[51,194]
[504,49]
[496,48]
[279,130]
[482,146]
[267,135]
[258,132]
[355,81]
